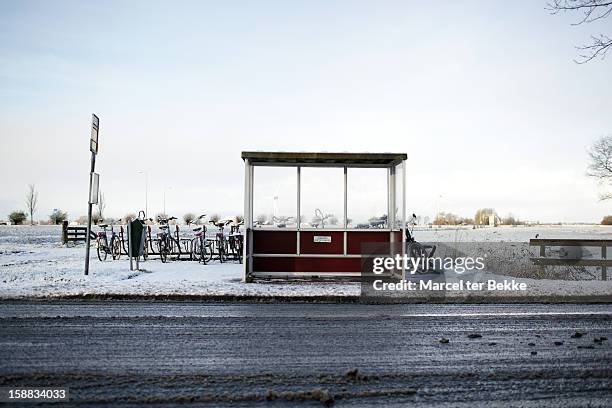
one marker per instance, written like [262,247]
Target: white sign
[322,238]
[95,185]
[95,127]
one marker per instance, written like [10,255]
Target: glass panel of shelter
[367,198]
[322,197]
[275,197]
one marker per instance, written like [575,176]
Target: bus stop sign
[95,128]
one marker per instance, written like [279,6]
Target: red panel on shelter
[356,238]
[309,246]
[398,236]
[328,264]
[302,264]
[273,264]
[274,242]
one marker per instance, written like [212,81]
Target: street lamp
[166,188]
[146,174]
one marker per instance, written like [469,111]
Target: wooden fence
[602,262]
[74,234]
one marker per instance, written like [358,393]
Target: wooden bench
[75,234]
[602,262]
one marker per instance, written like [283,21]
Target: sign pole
[93,147]
[89,211]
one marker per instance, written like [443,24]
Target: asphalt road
[176,354]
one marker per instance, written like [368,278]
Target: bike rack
[182,252]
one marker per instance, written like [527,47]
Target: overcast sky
[483,96]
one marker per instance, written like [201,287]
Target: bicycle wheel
[123,248]
[168,248]
[163,251]
[240,251]
[208,252]
[101,251]
[196,249]
[222,247]
[115,248]
[417,252]
[145,252]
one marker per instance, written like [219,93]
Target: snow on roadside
[34,264]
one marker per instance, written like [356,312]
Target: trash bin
[136,238]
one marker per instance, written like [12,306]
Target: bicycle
[220,242]
[417,250]
[236,241]
[165,241]
[201,248]
[104,248]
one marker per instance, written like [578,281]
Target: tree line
[483,216]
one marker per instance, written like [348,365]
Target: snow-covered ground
[519,233]
[34,264]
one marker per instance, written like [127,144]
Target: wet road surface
[176,354]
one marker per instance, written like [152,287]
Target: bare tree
[444,218]
[591,10]
[32,201]
[600,167]
[189,218]
[101,205]
[483,214]
[58,216]
[261,219]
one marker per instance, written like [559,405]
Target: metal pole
[165,203]
[248,221]
[345,224]
[391,208]
[129,233]
[146,194]
[299,198]
[89,205]
[403,215]
[345,198]
[299,210]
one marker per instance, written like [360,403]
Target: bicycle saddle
[102,225]
[163,227]
[197,229]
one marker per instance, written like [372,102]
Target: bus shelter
[308,215]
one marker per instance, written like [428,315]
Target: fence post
[64,232]
[603,266]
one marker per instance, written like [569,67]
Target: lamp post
[166,188]
[146,174]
